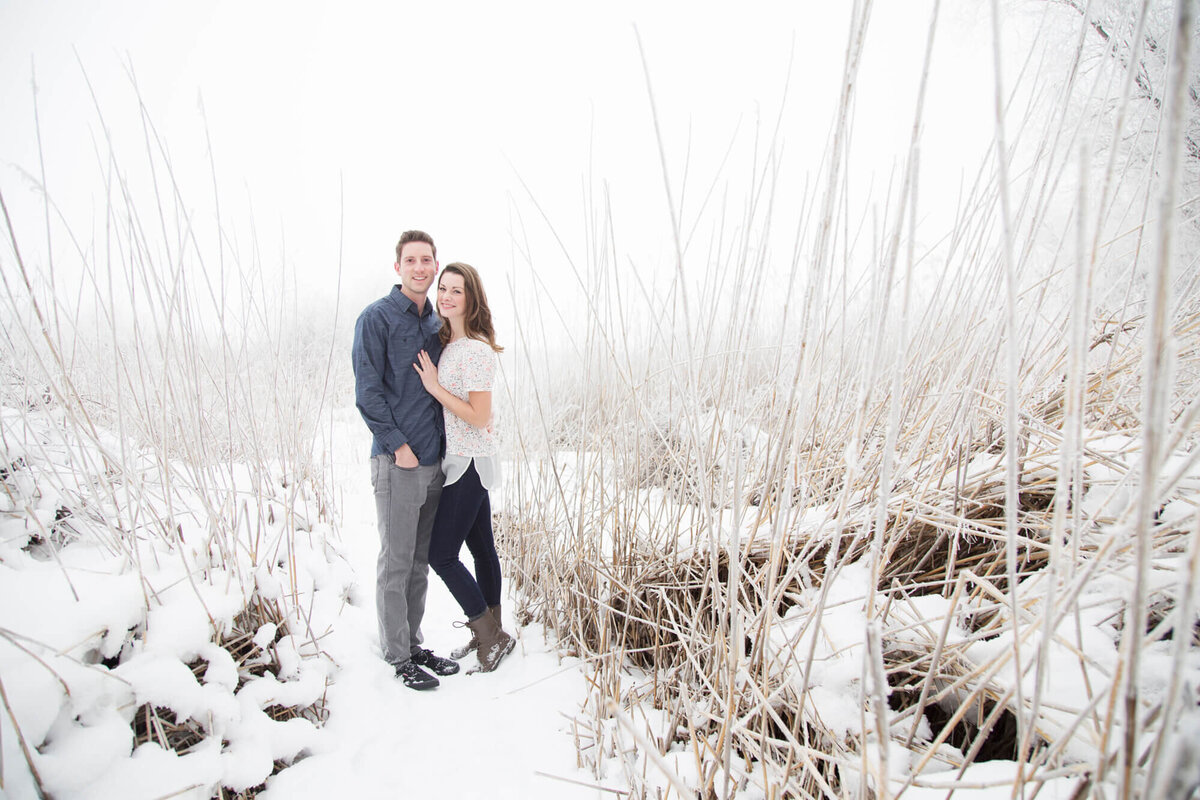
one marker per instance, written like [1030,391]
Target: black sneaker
[414,677]
[439,665]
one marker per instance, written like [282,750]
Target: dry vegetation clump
[187,579]
[253,656]
[721,642]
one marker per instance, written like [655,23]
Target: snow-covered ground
[64,614]
[503,734]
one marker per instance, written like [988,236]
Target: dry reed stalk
[1153,383]
[1184,615]
[24,745]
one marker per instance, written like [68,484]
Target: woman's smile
[451,295]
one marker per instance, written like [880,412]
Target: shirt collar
[407,305]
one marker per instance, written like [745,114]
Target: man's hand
[405,457]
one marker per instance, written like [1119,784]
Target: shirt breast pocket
[402,354]
[404,348]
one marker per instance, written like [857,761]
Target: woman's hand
[476,410]
[428,372]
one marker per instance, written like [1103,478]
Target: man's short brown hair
[414,236]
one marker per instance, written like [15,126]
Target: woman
[462,382]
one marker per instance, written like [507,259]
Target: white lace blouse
[469,365]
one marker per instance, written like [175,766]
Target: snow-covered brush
[166,485]
[826,528]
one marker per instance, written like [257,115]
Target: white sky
[429,115]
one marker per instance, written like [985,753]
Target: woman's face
[452,296]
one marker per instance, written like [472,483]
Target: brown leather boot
[494,643]
[471,646]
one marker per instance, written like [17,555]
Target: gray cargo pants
[405,506]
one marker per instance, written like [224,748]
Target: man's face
[417,269]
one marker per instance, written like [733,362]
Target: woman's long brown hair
[477,321]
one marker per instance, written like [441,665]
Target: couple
[410,364]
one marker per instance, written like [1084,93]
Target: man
[406,422]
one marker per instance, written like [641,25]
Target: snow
[87,641]
[503,734]
[475,735]
[985,781]
[836,639]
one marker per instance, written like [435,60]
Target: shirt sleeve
[369,355]
[479,368]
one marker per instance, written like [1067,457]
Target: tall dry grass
[730,483]
[171,394]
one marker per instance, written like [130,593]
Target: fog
[316,135]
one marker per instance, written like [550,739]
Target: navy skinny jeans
[465,515]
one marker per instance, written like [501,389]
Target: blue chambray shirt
[387,390]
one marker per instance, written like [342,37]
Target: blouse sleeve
[479,368]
